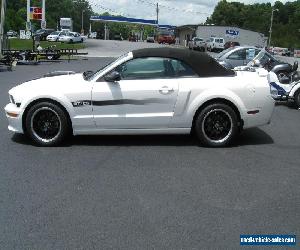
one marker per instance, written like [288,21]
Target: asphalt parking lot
[146,192]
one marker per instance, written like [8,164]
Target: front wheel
[46,124]
[216,125]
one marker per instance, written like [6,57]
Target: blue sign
[267,240]
[232,33]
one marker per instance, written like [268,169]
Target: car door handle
[165,90]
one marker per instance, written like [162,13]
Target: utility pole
[82,30]
[271,26]
[3,6]
[157,11]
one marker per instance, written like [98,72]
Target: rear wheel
[216,125]
[47,124]
[297,99]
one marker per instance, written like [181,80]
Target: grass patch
[19,44]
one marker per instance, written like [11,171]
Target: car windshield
[262,58]
[223,52]
[90,75]
[55,33]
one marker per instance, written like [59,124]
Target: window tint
[238,55]
[145,68]
[257,51]
[181,69]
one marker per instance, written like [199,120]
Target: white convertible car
[147,91]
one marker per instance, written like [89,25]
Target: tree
[257,17]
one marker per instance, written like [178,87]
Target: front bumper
[14,117]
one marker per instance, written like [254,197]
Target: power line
[173,8]
[112,10]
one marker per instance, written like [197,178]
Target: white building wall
[244,37]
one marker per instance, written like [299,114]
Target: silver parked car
[237,56]
[71,37]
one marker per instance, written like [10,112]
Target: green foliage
[257,17]
[16,13]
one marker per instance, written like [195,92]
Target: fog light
[12,114]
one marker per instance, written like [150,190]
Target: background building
[243,36]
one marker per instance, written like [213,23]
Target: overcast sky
[171,12]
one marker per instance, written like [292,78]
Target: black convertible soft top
[200,62]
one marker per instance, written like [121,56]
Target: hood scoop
[59,73]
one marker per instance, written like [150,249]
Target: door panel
[134,103]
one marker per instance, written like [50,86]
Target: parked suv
[166,37]
[43,33]
[215,44]
[197,44]
[230,44]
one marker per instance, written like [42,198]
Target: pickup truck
[197,44]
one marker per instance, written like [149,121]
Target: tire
[297,99]
[71,41]
[281,74]
[216,125]
[81,40]
[47,124]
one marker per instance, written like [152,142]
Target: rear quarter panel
[246,91]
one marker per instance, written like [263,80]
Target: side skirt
[132,131]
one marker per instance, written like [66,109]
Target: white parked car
[215,44]
[197,43]
[54,36]
[147,91]
[71,37]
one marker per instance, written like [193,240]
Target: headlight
[12,100]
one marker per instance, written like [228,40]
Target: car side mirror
[113,77]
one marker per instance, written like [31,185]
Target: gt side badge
[81,103]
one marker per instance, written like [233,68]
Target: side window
[145,68]
[250,54]
[181,69]
[238,55]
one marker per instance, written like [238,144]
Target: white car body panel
[159,105]
[215,44]
[67,38]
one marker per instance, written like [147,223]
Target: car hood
[62,84]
